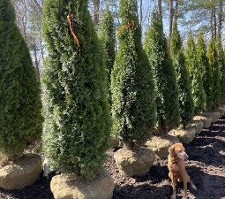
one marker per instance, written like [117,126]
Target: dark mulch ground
[206,166]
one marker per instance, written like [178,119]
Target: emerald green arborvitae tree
[221,65]
[198,92]
[108,39]
[133,94]
[76,110]
[213,63]
[164,75]
[204,69]
[20,104]
[183,79]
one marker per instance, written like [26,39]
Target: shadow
[156,174]
[210,182]
[39,190]
[210,186]
[144,191]
[209,146]
[212,153]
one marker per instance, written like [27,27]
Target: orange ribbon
[129,25]
[69,20]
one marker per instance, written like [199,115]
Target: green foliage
[215,95]
[204,69]
[221,65]
[164,75]
[76,111]
[132,86]
[20,104]
[183,79]
[108,39]
[198,92]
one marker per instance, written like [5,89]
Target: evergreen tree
[164,75]
[76,111]
[221,65]
[108,39]
[133,94]
[183,79]
[198,92]
[204,69]
[213,63]
[20,104]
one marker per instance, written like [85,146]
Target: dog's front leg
[184,188]
[174,185]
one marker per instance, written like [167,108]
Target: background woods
[207,16]
[29,19]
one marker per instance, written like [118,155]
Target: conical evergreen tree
[183,79]
[76,110]
[164,75]
[20,104]
[198,92]
[204,69]
[133,94]
[108,39]
[221,65]
[213,63]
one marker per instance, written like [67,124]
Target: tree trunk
[160,8]
[176,9]
[38,5]
[213,19]
[36,63]
[96,11]
[220,18]
[141,13]
[171,10]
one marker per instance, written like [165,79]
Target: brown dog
[177,171]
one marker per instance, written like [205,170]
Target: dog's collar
[175,159]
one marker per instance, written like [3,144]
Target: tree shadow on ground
[210,186]
[211,152]
[209,146]
[144,191]
[156,174]
[155,185]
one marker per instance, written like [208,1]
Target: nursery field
[206,166]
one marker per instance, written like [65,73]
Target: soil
[206,167]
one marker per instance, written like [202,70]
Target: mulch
[206,167]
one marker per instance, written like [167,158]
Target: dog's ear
[171,151]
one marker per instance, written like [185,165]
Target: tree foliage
[76,111]
[198,92]
[221,65]
[183,79]
[133,94]
[204,69]
[20,104]
[164,75]
[108,39]
[215,95]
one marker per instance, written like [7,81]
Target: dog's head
[177,150]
